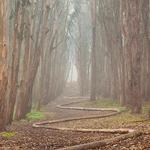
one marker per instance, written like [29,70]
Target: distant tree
[93,51]
[80,34]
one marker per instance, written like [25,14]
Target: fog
[75,74]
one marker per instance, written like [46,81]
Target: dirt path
[64,113]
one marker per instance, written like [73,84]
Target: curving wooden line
[102,143]
[128,133]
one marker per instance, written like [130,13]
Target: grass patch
[123,118]
[33,116]
[105,103]
[146,108]
[8,134]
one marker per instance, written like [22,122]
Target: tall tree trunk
[3,67]
[131,29]
[17,43]
[93,53]
[24,103]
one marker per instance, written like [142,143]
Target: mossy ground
[7,134]
[103,103]
[107,103]
[33,116]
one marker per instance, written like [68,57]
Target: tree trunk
[131,29]
[3,68]
[93,53]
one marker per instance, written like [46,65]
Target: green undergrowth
[106,103]
[146,108]
[8,134]
[126,117]
[33,116]
[102,103]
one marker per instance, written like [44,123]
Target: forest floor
[22,136]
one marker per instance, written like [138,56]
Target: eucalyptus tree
[36,34]
[18,33]
[3,65]
[108,47]
[32,49]
[122,51]
[145,86]
[80,33]
[47,65]
[53,69]
[132,47]
[93,52]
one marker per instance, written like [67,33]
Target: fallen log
[102,143]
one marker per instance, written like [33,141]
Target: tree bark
[3,67]
[93,53]
[131,29]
